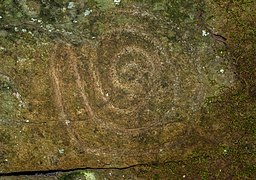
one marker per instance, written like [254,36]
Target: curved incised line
[59,101]
[110,125]
[79,82]
[56,88]
[99,88]
[96,79]
[113,71]
[113,74]
[154,59]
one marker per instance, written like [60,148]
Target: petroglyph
[130,80]
[122,85]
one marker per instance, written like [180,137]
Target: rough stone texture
[119,87]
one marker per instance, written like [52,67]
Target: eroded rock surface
[115,87]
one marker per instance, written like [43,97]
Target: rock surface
[121,86]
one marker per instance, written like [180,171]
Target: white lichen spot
[23,30]
[87,12]
[61,151]
[71,5]
[33,19]
[79,111]
[49,27]
[29,32]
[67,122]
[205,33]
[117,2]
[18,97]
[64,9]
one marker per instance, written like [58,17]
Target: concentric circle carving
[130,76]
[132,73]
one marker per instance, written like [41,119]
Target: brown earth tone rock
[124,89]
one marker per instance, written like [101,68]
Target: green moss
[79,175]
[159,6]
[105,4]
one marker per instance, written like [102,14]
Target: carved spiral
[132,73]
[133,78]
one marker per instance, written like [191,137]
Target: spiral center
[131,70]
